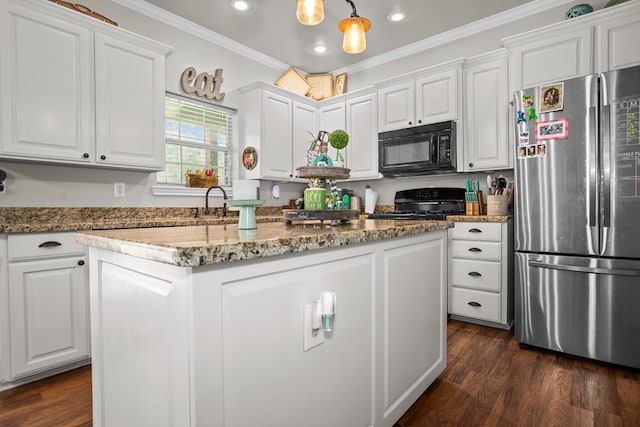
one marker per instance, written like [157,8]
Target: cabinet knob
[81,262]
[419,121]
[470,165]
[103,157]
[410,123]
[85,155]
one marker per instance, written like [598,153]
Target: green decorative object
[579,10]
[339,139]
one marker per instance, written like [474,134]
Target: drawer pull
[475,250]
[475,230]
[475,274]
[474,304]
[81,262]
[49,244]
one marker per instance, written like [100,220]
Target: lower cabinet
[45,322]
[225,344]
[481,272]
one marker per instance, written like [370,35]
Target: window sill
[181,190]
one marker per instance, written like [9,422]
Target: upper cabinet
[428,96]
[279,127]
[78,91]
[601,41]
[485,113]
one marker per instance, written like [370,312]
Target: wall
[31,184]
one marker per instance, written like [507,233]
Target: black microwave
[421,150]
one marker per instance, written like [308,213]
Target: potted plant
[339,140]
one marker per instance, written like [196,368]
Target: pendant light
[310,12]
[354,28]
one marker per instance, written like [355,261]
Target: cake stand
[247,219]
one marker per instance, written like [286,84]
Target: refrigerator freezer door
[556,202]
[620,135]
[578,305]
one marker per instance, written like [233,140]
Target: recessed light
[396,16]
[320,49]
[240,5]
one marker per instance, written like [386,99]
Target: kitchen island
[210,325]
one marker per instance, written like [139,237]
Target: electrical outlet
[310,341]
[119,189]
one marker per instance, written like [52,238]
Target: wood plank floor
[489,381]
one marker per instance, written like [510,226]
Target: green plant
[339,139]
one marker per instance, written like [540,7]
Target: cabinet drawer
[42,245]
[476,274]
[476,250]
[475,304]
[477,231]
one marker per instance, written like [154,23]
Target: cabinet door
[305,128]
[48,312]
[413,325]
[46,81]
[362,151]
[276,136]
[437,98]
[486,144]
[265,365]
[130,104]
[541,58]
[617,42]
[330,118]
[396,106]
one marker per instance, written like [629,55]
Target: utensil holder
[497,204]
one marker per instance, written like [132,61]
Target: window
[198,136]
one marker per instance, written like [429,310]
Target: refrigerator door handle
[592,146]
[580,269]
[606,166]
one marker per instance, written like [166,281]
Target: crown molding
[488,23]
[502,18]
[194,29]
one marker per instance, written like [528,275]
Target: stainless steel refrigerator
[577,217]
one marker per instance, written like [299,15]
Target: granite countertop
[478,218]
[216,244]
[31,220]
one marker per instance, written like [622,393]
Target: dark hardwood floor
[489,381]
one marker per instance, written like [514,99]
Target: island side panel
[140,342]
[412,323]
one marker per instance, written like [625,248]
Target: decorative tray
[336,215]
[323,172]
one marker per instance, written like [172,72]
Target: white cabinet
[47,295]
[357,115]
[485,115]
[428,96]
[617,39]
[279,127]
[78,91]
[481,273]
[544,56]
[215,340]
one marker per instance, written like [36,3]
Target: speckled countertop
[215,244]
[478,218]
[29,220]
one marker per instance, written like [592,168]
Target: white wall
[31,184]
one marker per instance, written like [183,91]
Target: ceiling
[271,28]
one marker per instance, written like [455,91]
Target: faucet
[206,201]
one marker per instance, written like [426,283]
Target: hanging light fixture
[310,12]
[354,28]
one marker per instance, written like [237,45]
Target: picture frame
[321,86]
[293,81]
[551,97]
[340,86]
[552,129]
